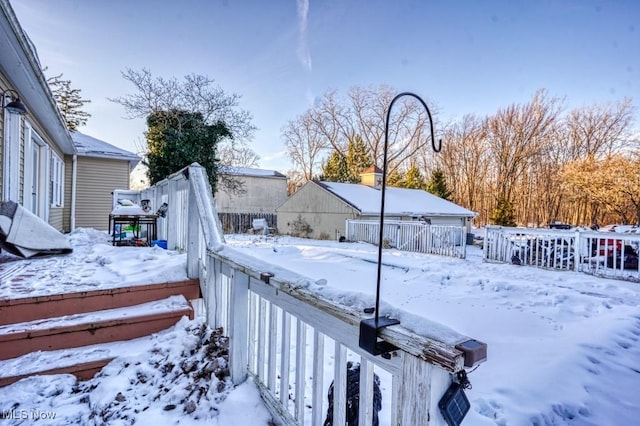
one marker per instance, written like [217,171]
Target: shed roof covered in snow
[247,171]
[398,201]
[89,146]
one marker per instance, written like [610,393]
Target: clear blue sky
[463,56]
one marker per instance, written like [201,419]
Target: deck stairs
[79,333]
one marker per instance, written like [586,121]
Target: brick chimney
[372,177]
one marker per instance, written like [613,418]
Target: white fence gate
[293,342]
[605,254]
[445,240]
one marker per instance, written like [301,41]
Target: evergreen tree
[335,169]
[69,102]
[413,179]
[395,179]
[437,185]
[178,138]
[358,159]
[503,214]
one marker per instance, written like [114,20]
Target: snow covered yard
[564,347]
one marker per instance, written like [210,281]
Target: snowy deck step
[91,328]
[25,309]
[83,362]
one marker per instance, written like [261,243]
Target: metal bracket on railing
[369,329]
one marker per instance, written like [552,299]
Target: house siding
[261,195]
[56,219]
[325,213]
[96,180]
[259,199]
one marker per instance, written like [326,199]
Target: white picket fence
[605,254]
[293,342]
[415,236]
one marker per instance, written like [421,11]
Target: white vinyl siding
[97,179]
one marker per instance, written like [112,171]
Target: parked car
[623,260]
[560,225]
[623,229]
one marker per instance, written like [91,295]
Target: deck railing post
[238,326]
[577,251]
[193,235]
[421,387]
[172,225]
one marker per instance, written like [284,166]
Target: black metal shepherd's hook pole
[369,327]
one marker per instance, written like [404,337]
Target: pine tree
[503,214]
[437,185]
[395,179]
[413,179]
[358,159]
[335,169]
[69,102]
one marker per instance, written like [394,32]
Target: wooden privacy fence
[292,341]
[605,254]
[416,236]
[239,223]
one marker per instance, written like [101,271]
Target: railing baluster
[301,359]
[252,340]
[273,345]
[318,371]
[285,358]
[365,413]
[262,320]
[340,385]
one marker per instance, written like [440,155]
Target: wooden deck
[59,319]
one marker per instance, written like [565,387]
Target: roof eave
[22,69]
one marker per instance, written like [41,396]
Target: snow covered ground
[564,347]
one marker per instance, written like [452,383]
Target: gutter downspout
[74,176]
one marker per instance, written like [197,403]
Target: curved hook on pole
[384,182]
[386,125]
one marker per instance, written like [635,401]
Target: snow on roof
[398,201]
[89,146]
[246,171]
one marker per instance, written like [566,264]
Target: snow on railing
[289,339]
[416,236]
[605,254]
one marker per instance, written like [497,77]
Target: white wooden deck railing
[445,240]
[605,254]
[290,340]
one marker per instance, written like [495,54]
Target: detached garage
[325,207]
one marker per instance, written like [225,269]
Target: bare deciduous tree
[195,94]
[305,144]
[598,130]
[332,122]
[517,134]
[200,96]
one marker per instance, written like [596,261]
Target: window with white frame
[57,181]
